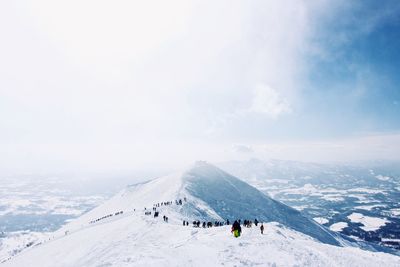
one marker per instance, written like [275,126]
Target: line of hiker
[204,224]
[107,216]
[168,203]
[236,226]
[248,223]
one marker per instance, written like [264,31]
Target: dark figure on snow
[262,229]
[227,222]
[255,222]
[184,223]
[204,224]
[236,229]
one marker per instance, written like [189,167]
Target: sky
[122,85]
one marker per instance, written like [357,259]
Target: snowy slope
[132,238]
[234,199]
[212,194]
[139,240]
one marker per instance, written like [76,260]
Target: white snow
[337,227]
[369,207]
[370,223]
[321,220]
[15,242]
[395,212]
[306,189]
[137,240]
[367,190]
[382,177]
[333,197]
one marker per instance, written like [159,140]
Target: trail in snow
[105,219]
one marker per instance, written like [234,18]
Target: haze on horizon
[103,85]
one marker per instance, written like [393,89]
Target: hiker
[187,223]
[184,223]
[227,222]
[204,224]
[236,229]
[262,229]
[255,222]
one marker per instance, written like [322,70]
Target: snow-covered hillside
[118,233]
[139,240]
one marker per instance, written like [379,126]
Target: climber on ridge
[236,229]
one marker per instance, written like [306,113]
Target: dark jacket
[236,226]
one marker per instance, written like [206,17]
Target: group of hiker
[106,216]
[204,224]
[237,229]
[168,203]
[236,226]
[248,223]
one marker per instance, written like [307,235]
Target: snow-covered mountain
[359,201]
[118,233]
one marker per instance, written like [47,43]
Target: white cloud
[268,101]
[124,83]
[352,149]
[240,148]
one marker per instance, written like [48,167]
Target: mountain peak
[211,194]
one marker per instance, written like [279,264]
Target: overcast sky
[103,85]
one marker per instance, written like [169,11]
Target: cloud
[131,82]
[268,101]
[240,148]
[366,147]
